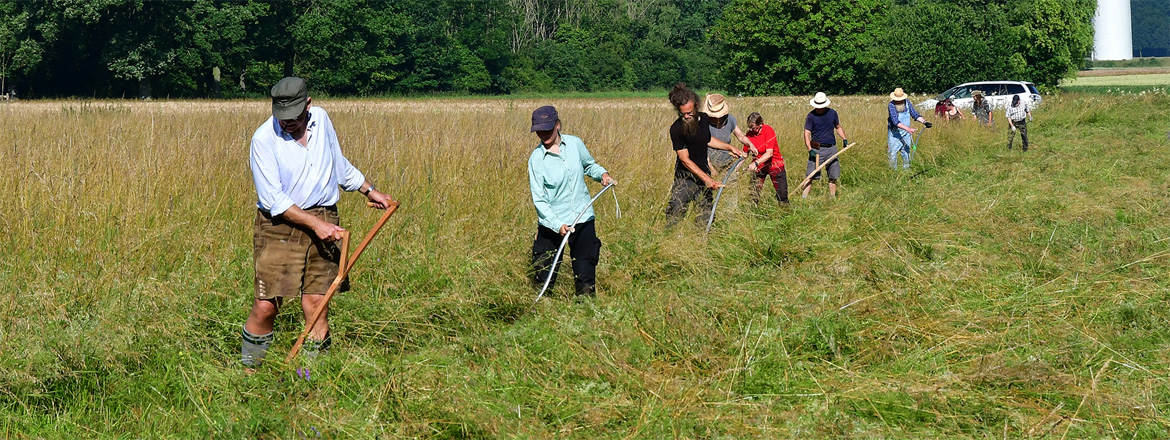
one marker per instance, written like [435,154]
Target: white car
[997,93]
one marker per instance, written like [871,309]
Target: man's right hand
[327,232]
[713,184]
[565,229]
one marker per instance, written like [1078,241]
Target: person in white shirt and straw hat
[723,126]
[818,138]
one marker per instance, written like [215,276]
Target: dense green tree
[360,47]
[223,38]
[797,46]
[930,46]
[1055,37]
[840,46]
[1151,27]
[19,52]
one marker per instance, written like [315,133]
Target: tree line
[231,48]
[1151,27]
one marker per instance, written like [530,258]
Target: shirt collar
[284,135]
[547,152]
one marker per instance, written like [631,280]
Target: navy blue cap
[544,118]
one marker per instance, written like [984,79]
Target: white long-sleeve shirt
[286,174]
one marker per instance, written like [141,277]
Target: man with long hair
[690,135]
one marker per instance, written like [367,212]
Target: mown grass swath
[984,293]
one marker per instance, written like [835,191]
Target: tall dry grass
[984,293]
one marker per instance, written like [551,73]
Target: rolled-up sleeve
[266,176]
[348,176]
[544,212]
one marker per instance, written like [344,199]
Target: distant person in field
[690,136]
[981,109]
[819,125]
[723,126]
[940,108]
[900,133]
[1017,115]
[769,162]
[297,167]
[555,170]
[952,112]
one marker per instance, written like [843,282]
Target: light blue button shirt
[558,191]
[287,174]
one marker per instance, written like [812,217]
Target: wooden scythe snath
[343,270]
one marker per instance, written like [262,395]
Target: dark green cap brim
[289,97]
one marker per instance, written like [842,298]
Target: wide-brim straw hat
[819,100]
[977,93]
[716,106]
[898,95]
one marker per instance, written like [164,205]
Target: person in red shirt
[769,162]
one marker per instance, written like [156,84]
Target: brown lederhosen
[290,259]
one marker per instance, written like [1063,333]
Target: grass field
[1147,79]
[985,293]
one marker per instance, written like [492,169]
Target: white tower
[1112,31]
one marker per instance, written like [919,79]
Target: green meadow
[984,293]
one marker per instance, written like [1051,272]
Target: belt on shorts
[268,215]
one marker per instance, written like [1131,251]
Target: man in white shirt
[297,166]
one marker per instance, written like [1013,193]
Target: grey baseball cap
[288,98]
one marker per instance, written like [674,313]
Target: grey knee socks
[313,347]
[253,347]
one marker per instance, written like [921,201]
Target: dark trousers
[779,182]
[682,193]
[584,248]
[1022,126]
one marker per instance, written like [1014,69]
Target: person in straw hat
[818,138]
[297,167]
[901,113]
[723,126]
[981,109]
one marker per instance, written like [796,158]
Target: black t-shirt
[822,126]
[696,146]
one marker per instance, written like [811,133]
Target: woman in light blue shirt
[559,194]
